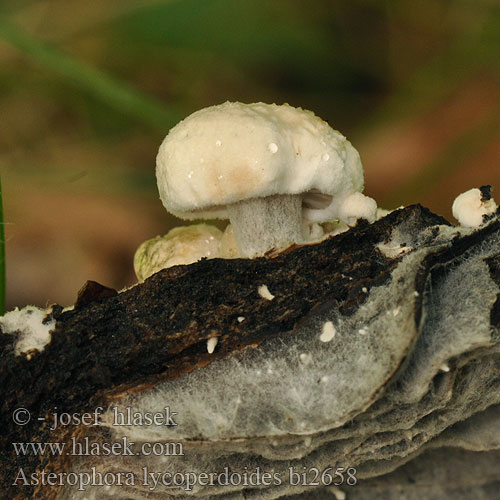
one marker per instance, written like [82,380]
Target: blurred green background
[88,90]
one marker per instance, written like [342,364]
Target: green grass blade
[114,92]
[2,256]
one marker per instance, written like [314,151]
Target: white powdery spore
[33,333]
[265,293]
[211,344]
[328,332]
[469,208]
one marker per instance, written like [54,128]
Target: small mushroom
[470,207]
[181,245]
[266,168]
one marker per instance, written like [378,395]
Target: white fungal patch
[211,343]
[469,208]
[328,332]
[364,289]
[393,250]
[265,293]
[305,358]
[362,331]
[241,319]
[348,208]
[444,368]
[396,311]
[33,333]
[325,157]
[273,148]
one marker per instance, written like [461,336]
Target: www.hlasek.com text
[87,448]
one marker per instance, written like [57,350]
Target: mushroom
[470,207]
[181,245]
[266,168]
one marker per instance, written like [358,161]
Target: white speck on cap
[265,293]
[249,132]
[211,343]
[273,147]
[328,332]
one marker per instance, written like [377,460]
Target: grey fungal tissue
[404,390]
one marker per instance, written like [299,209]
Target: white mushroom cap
[181,245]
[233,152]
[470,207]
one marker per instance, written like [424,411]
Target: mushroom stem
[261,224]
